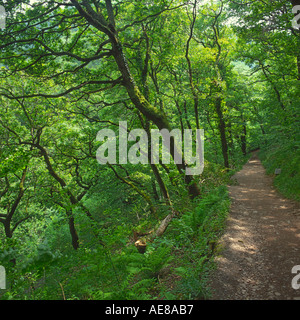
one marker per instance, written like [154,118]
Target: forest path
[261,243]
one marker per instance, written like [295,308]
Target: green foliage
[285,156]
[62,80]
[203,209]
[195,237]
[193,284]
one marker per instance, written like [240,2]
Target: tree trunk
[222,129]
[73,232]
[151,113]
[244,139]
[61,181]
[155,170]
[138,190]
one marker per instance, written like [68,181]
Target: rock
[277,294]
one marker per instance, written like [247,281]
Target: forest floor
[261,242]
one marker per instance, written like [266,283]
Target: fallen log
[141,244]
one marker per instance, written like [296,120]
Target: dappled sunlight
[261,243]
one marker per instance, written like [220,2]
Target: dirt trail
[261,243]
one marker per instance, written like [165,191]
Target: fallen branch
[141,244]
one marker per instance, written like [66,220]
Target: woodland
[74,229]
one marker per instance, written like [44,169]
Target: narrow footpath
[261,243]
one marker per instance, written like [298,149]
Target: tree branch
[91,82]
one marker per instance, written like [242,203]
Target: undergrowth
[196,234]
[284,156]
[182,255]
